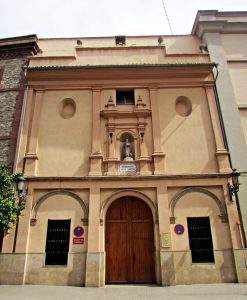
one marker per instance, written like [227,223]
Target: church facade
[127,168]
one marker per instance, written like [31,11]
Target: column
[31,158]
[158,155]
[221,152]
[166,255]
[94,256]
[96,155]
[24,128]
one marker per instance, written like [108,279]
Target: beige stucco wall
[174,44]
[64,145]
[103,51]
[182,137]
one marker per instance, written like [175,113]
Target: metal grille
[57,242]
[200,239]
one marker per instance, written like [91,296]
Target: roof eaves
[51,68]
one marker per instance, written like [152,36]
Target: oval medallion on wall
[183,106]
[67,108]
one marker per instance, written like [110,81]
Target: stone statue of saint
[127,151]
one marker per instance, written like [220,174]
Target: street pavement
[126,292]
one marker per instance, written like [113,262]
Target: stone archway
[129,242]
[129,193]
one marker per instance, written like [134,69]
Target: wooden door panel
[143,252]
[129,242]
[138,210]
[117,253]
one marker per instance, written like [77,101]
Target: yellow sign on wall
[165,239]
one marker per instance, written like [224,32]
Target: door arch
[129,242]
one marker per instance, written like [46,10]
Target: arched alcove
[43,198]
[127,146]
[213,197]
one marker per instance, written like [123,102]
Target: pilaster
[158,155]
[96,155]
[31,157]
[94,256]
[221,153]
[166,256]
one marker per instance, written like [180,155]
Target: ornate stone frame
[180,194]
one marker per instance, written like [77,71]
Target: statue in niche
[127,151]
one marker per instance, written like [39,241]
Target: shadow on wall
[188,135]
[78,274]
[167,268]
[227,269]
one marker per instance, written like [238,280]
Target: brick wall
[11,99]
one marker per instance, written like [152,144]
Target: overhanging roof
[172,65]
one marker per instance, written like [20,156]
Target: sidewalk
[126,292]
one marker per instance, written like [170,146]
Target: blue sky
[68,18]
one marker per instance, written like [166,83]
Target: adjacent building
[224,34]
[14,57]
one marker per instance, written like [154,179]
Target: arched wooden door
[129,242]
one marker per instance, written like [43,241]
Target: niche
[67,108]
[183,106]
[127,147]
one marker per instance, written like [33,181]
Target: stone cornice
[18,47]
[132,177]
[219,22]
[89,75]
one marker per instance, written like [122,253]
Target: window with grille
[200,239]
[125,97]
[57,242]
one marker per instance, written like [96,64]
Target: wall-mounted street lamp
[234,188]
[21,188]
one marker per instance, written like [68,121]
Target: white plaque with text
[127,168]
